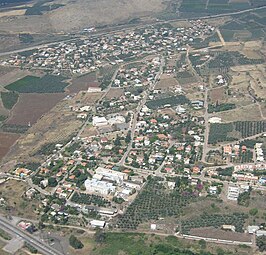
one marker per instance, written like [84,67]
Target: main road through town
[32,240]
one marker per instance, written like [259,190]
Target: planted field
[6,141]
[235,130]
[32,84]
[31,107]
[215,220]
[106,75]
[9,99]
[153,202]
[168,101]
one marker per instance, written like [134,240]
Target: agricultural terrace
[156,201]
[221,132]
[167,101]
[32,84]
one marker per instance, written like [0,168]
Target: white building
[99,121]
[233,193]
[100,187]
[111,175]
[97,223]
[215,120]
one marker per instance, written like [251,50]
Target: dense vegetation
[9,99]
[82,198]
[32,84]
[75,242]
[261,243]
[172,101]
[220,107]
[215,220]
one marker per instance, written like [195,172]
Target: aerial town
[158,137]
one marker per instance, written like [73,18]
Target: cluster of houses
[84,55]
[139,75]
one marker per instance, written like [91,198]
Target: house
[233,193]
[215,120]
[252,229]
[229,227]
[261,233]
[213,190]
[195,170]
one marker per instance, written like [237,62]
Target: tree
[75,242]
[52,182]
[202,244]
[253,211]
[261,243]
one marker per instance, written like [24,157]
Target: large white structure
[97,223]
[99,121]
[100,187]
[111,175]
[117,120]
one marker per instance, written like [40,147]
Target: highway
[32,240]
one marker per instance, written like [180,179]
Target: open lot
[15,200]
[220,234]
[83,82]
[250,112]
[166,82]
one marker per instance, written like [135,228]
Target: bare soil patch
[6,141]
[245,113]
[83,82]
[31,107]
[217,94]
[166,82]
[114,93]
[220,234]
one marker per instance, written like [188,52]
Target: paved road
[32,240]
[138,109]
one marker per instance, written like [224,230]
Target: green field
[141,244]
[9,99]
[32,84]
